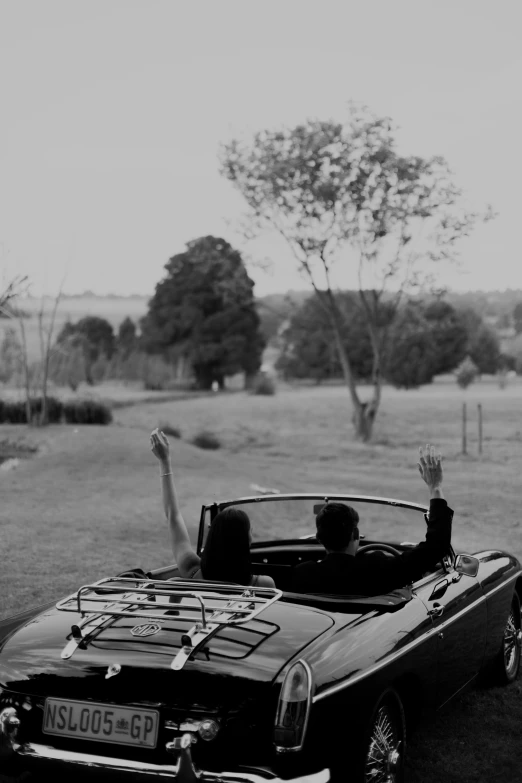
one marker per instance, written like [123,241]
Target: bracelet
[166,474]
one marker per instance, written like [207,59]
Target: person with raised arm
[226,556]
[340,572]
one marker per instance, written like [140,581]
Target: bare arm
[430,468]
[184,555]
[413,563]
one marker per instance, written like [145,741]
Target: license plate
[101,722]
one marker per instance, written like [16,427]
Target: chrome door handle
[436,611]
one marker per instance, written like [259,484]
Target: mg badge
[147,629]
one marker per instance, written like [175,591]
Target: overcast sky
[112,112]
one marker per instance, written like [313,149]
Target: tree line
[202,315]
[421,340]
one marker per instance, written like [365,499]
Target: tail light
[293,708]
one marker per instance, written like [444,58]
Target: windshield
[284,518]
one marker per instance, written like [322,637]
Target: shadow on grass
[475,739]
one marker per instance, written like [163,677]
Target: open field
[88,505]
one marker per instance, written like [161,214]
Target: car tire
[506,666]
[384,744]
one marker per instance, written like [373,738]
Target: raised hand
[430,467]
[160,445]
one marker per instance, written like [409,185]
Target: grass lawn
[88,505]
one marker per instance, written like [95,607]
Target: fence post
[464,433]
[479,406]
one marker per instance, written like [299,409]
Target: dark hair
[336,525]
[226,556]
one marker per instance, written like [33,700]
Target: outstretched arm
[438,535]
[411,565]
[186,558]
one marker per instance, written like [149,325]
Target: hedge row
[70,412]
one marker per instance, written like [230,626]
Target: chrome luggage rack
[209,606]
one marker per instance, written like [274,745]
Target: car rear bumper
[43,758]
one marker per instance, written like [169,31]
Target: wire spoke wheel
[511,645]
[386,744]
[504,668]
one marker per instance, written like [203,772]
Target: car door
[457,608]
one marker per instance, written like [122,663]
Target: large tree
[93,336]
[205,307]
[340,192]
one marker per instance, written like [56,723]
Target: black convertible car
[147,676]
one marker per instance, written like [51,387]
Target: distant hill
[113,308]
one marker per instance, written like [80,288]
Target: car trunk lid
[113,663]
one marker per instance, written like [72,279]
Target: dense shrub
[466,372]
[12,412]
[206,440]
[168,429]
[54,409]
[263,384]
[87,412]
[73,411]
[15,411]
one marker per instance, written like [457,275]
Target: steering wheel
[364,550]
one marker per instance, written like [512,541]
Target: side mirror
[466,564]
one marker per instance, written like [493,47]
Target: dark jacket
[377,573]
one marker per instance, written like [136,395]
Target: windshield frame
[216,507]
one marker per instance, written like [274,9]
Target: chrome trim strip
[161,771]
[329,690]
[482,598]
[499,587]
